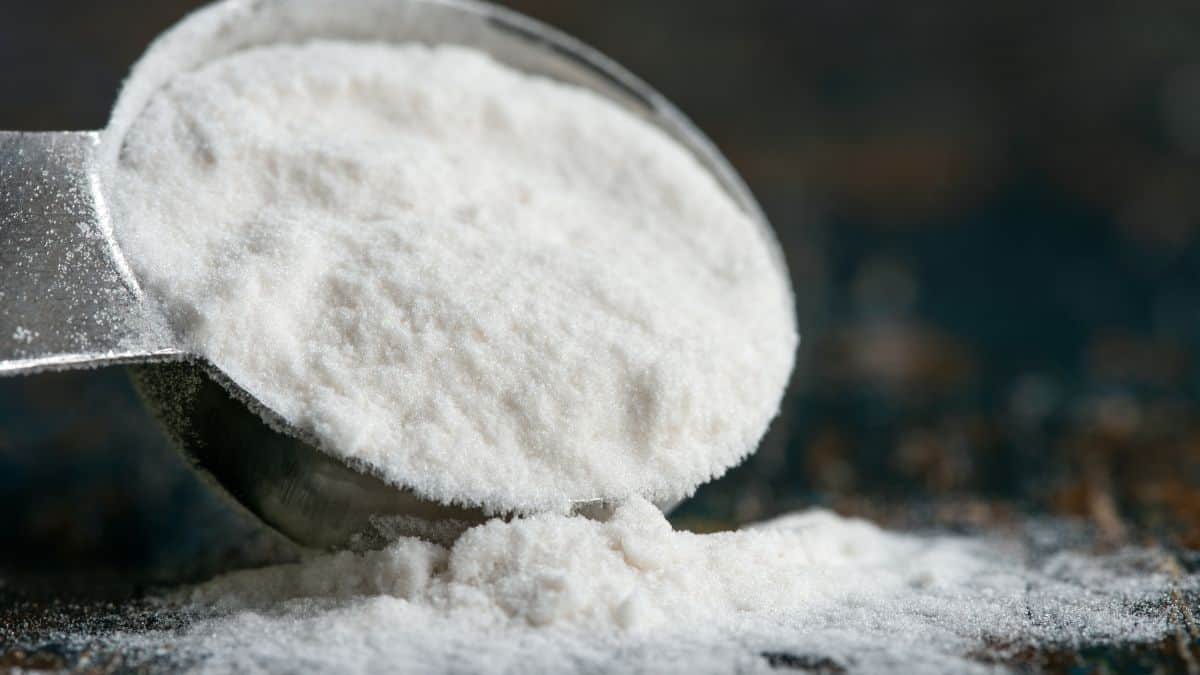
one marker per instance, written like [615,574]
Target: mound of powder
[495,289]
[556,594]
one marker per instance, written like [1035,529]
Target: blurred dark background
[990,210]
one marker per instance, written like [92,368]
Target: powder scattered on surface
[558,594]
[493,288]
[22,334]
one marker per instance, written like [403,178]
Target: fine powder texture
[495,289]
[559,594]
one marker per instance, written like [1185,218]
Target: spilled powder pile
[556,594]
[496,289]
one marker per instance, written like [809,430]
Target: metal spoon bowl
[69,300]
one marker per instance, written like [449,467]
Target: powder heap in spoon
[489,287]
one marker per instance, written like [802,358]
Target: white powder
[493,288]
[23,334]
[503,291]
[556,594]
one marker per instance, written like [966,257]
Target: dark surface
[990,211]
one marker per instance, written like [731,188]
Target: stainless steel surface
[67,299]
[64,302]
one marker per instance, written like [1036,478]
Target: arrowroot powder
[492,288]
[503,291]
[810,591]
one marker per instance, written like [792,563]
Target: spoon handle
[67,299]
